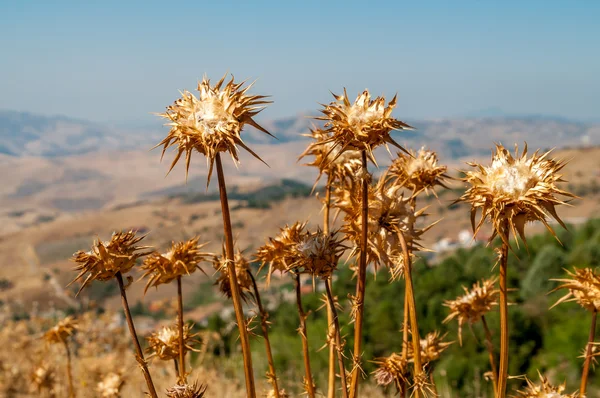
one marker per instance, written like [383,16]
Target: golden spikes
[392,369]
[417,171]
[282,394]
[543,390]
[363,125]
[212,122]
[584,288]
[110,385]
[516,190]
[187,391]
[432,347]
[242,267]
[105,259]
[475,303]
[183,258]
[43,378]
[61,331]
[165,343]
[316,254]
[422,386]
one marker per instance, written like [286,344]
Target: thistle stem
[330,330]
[503,372]
[264,316]
[69,374]
[338,338]
[360,282]
[182,375]
[136,344]
[588,355]
[235,288]
[308,380]
[490,348]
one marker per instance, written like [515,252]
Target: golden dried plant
[543,390]
[61,331]
[362,125]
[183,258]
[110,386]
[422,386]
[273,394]
[242,267]
[471,306]
[316,254]
[164,343]
[584,288]
[43,379]
[187,391]
[432,347]
[212,122]
[417,171]
[278,252]
[392,369]
[106,259]
[515,190]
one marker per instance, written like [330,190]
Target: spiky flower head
[543,390]
[43,378]
[242,267]
[417,171]
[471,306]
[392,369]
[514,190]
[165,343]
[282,394]
[339,166]
[187,391]
[212,122]
[584,288]
[110,385]
[362,125]
[183,258]
[422,386]
[60,332]
[278,253]
[106,259]
[432,347]
[390,214]
[317,254]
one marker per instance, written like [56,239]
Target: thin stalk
[69,374]
[490,348]
[235,288]
[412,309]
[588,355]
[176,365]
[136,344]
[503,373]
[330,330]
[338,338]
[182,375]
[265,330]
[360,283]
[432,381]
[310,387]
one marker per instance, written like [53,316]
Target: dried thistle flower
[417,171]
[187,391]
[392,369]
[422,386]
[515,190]
[432,347]
[584,288]
[43,378]
[543,390]
[212,122]
[470,307]
[110,385]
[242,267]
[317,254]
[278,253]
[165,343]
[282,394]
[106,259]
[183,258]
[61,331]
[363,125]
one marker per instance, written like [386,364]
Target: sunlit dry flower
[362,125]
[43,378]
[242,267]
[110,385]
[584,288]
[61,331]
[278,253]
[417,171]
[432,347]
[422,386]
[470,307]
[187,391]
[514,190]
[105,259]
[282,394]
[543,390]
[212,122]
[165,343]
[392,369]
[183,258]
[317,254]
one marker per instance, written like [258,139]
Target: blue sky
[118,61]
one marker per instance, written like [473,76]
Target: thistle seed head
[110,385]
[584,288]
[242,267]
[417,171]
[187,391]
[165,343]
[543,390]
[61,331]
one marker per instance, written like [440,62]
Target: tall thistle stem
[69,372]
[338,338]
[136,344]
[588,355]
[360,282]
[264,316]
[503,372]
[330,331]
[490,348]
[405,321]
[308,380]
[182,375]
[235,288]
